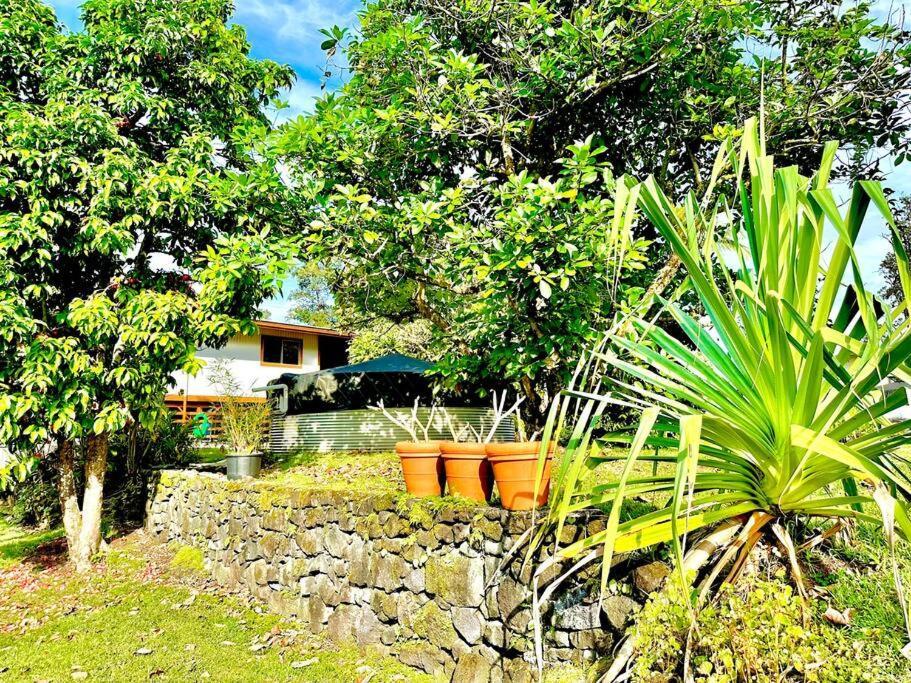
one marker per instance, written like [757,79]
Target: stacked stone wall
[433,584]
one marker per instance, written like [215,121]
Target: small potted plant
[468,469]
[243,424]
[422,465]
[521,470]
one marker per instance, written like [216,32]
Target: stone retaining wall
[416,579]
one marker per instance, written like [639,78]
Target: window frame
[282,341]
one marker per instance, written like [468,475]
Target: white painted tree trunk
[69,503]
[83,527]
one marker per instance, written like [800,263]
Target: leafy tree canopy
[892,290]
[463,173]
[374,336]
[134,219]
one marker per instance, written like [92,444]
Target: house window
[279,351]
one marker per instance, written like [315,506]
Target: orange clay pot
[422,467]
[467,470]
[515,467]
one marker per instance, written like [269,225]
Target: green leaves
[137,222]
[775,399]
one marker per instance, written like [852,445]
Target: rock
[414,581]
[260,572]
[359,569]
[457,579]
[367,628]
[421,655]
[341,623]
[348,621]
[491,529]
[309,541]
[618,609]
[495,634]
[468,623]
[510,596]
[591,639]
[648,578]
[518,671]
[384,605]
[386,572]
[472,668]
[434,625]
[283,602]
[336,542]
[316,611]
[275,519]
[272,545]
[443,533]
[581,616]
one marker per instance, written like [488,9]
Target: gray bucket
[240,466]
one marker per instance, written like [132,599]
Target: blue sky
[288,32]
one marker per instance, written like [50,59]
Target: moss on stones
[188,558]
[434,625]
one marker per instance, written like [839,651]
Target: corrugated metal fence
[368,430]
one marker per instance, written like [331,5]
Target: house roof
[270,326]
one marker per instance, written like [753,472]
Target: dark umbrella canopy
[394,362]
[396,380]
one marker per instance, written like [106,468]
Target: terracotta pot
[422,467]
[467,470]
[515,468]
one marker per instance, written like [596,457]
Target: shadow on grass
[17,543]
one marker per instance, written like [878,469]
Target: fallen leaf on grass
[303,664]
[833,616]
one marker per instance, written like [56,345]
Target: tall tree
[892,290]
[134,220]
[463,173]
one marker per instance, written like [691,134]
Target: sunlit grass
[16,542]
[126,621]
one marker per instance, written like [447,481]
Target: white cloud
[300,100]
[299,20]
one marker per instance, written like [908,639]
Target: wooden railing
[184,408]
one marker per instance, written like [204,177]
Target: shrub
[244,423]
[754,632]
[36,500]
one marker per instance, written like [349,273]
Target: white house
[255,360]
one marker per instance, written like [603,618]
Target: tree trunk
[89,540]
[69,503]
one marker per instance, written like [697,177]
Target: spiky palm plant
[772,407]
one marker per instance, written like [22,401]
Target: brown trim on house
[269,326]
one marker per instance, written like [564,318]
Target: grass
[857,577]
[16,542]
[354,471]
[143,616]
[208,454]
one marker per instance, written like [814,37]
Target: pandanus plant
[771,406]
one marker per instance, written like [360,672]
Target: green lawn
[208,454]
[147,615]
[16,543]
